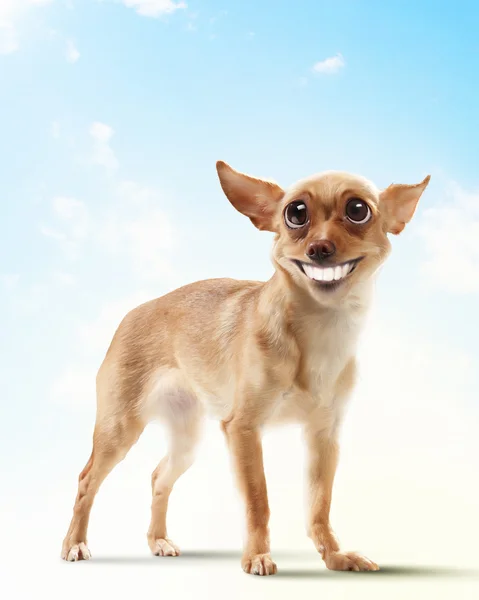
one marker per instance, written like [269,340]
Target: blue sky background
[96,218]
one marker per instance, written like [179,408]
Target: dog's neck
[282,294]
[289,315]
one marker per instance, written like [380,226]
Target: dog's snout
[321,250]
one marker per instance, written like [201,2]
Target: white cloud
[68,208]
[64,279]
[74,388]
[37,296]
[147,239]
[72,53]
[12,12]
[129,226]
[330,65]
[52,233]
[10,280]
[98,333]
[55,129]
[74,213]
[450,233]
[8,38]
[72,224]
[139,231]
[133,228]
[154,8]
[101,132]
[134,194]
[103,154]
[9,9]
[406,382]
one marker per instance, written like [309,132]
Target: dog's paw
[164,547]
[75,552]
[259,564]
[349,561]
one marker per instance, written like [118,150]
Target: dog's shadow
[398,571]
[194,556]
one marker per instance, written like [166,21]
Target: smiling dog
[252,354]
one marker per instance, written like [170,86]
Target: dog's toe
[259,564]
[350,561]
[76,552]
[164,547]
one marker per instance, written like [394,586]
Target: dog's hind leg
[183,424]
[116,430]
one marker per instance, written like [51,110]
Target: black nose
[321,250]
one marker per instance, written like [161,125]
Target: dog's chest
[325,350]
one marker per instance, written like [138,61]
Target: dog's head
[331,229]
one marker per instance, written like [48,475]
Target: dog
[252,354]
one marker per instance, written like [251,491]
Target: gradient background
[113,114]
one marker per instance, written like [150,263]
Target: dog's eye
[296,214]
[357,211]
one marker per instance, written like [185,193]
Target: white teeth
[309,270]
[328,274]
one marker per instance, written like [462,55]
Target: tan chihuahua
[252,354]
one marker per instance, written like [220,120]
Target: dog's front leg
[323,454]
[244,442]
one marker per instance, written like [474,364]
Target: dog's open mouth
[329,277]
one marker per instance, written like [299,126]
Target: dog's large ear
[399,203]
[255,198]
